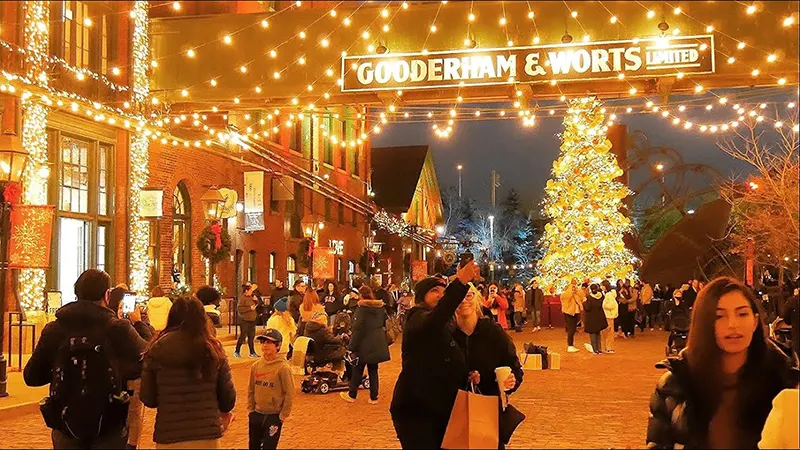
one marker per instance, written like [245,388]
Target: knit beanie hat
[423,286]
[282,305]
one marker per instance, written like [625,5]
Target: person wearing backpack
[87,356]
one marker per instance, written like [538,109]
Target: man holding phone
[434,368]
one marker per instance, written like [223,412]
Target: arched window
[272,267]
[251,266]
[181,235]
[291,270]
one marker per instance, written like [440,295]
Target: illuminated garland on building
[34,136]
[584,239]
[392,224]
[139,151]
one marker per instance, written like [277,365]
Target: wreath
[214,243]
[304,251]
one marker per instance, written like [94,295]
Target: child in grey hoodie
[270,393]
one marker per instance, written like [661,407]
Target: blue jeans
[594,338]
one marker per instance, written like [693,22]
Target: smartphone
[128,302]
[466,257]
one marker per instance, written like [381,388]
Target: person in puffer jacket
[719,390]
[158,308]
[611,311]
[327,347]
[186,377]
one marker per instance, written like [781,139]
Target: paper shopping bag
[474,422]
[530,361]
[554,360]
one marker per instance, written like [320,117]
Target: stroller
[679,330]
[321,379]
[781,332]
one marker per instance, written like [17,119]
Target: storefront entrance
[73,254]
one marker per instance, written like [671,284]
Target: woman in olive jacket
[718,392]
[369,345]
[186,377]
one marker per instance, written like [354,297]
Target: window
[88,39]
[341,214]
[296,136]
[82,193]
[181,235]
[251,266]
[327,155]
[153,251]
[328,210]
[343,151]
[338,269]
[357,161]
[291,269]
[273,204]
[74,175]
[272,267]
[351,270]
[355,218]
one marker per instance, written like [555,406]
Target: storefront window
[272,267]
[181,235]
[291,270]
[84,231]
[251,266]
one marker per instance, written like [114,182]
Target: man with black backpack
[87,355]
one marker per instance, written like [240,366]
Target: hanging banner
[31,230]
[583,61]
[419,270]
[253,201]
[323,263]
[150,203]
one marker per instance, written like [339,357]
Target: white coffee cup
[501,373]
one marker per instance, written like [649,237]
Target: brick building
[90,169]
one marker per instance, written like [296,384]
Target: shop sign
[323,266]
[253,201]
[336,246]
[150,203]
[637,58]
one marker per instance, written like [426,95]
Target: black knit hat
[423,286]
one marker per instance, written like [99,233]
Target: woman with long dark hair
[719,390]
[332,301]
[186,377]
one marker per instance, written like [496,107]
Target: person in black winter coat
[791,315]
[89,315]
[327,347]
[486,347]
[595,318]
[718,391]
[296,299]
[369,345]
[433,368]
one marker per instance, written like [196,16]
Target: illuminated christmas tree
[584,238]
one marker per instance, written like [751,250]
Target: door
[73,254]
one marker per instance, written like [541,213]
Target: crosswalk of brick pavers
[592,402]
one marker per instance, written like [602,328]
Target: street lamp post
[311,228]
[491,241]
[13,158]
[459,167]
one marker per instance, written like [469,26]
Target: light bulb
[613,19]
[227,39]
[574,14]
[176,6]
[651,14]
[434,28]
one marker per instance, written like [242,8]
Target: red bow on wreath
[310,247]
[12,193]
[216,230]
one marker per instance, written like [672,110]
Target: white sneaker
[588,348]
[370,401]
[572,349]
[346,397]
[538,328]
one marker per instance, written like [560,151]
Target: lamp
[212,202]
[311,226]
[12,158]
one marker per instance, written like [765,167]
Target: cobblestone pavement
[593,401]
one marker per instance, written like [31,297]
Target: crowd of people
[104,362]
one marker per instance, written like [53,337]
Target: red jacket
[502,306]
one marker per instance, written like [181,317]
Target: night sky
[523,156]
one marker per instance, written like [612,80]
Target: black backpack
[86,396]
